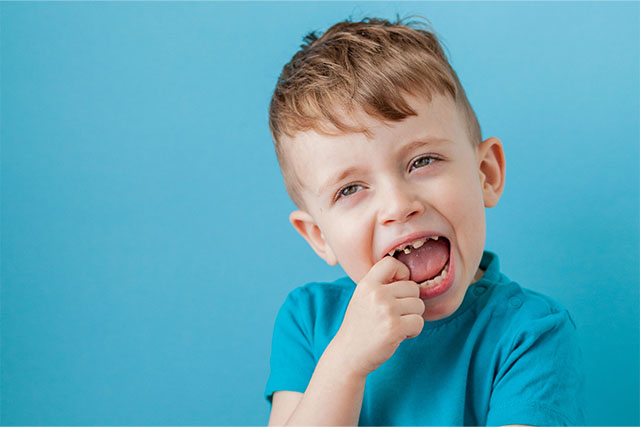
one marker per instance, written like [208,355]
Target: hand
[385,309]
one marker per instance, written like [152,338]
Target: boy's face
[408,180]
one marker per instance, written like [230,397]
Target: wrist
[341,360]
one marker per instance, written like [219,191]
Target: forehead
[314,155]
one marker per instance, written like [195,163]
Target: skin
[418,176]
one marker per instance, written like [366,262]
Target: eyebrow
[421,142]
[337,177]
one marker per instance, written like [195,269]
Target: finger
[404,289]
[412,325]
[405,306]
[388,270]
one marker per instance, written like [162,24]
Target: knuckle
[385,311]
[412,288]
[415,322]
[377,297]
[390,327]
[416,290]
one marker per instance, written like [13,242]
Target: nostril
[398,204]
[400,214]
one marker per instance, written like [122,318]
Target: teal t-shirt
[508,355]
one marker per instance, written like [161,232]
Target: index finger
[388,270]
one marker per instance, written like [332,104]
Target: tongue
[427,261]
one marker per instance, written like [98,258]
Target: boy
[383,155]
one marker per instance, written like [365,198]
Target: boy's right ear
[307,227]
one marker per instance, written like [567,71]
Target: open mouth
[427,259]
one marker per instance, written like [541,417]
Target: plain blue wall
[145,241]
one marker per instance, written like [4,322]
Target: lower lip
[443,286]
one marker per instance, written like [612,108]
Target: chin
[444,305]
[438,312]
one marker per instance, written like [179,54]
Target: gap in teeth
[415,245]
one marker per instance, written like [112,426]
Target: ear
[307,227]
[491,166]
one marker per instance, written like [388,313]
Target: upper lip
[405,240]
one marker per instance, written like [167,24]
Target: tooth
[437,280]
[407,250]
[444,272]
[435,237]
[418,243]
[392,252]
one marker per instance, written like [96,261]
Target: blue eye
[348,190]
[422,161]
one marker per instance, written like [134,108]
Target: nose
[398,204]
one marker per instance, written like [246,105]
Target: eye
[348,190]
[422,161]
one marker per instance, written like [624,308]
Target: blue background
[145,242]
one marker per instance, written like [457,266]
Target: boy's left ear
[491,166]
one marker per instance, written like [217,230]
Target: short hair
[369,66]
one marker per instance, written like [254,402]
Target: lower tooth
[438,279]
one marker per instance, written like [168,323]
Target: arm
[384,310]
[331,398]
[282,406]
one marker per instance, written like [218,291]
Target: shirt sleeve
[292,359]
[541,380]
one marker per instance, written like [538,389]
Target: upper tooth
[414,245]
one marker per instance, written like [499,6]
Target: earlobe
[492,170]
[306,226]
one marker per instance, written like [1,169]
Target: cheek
[458,191]
[351,241]
[473,223]
[465,206]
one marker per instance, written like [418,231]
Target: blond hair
[370,66]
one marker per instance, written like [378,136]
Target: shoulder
[320,294]
[313,313]
[527,320]
[511,291]
[319,304]
[505,303]
[519,303]
[521,316]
